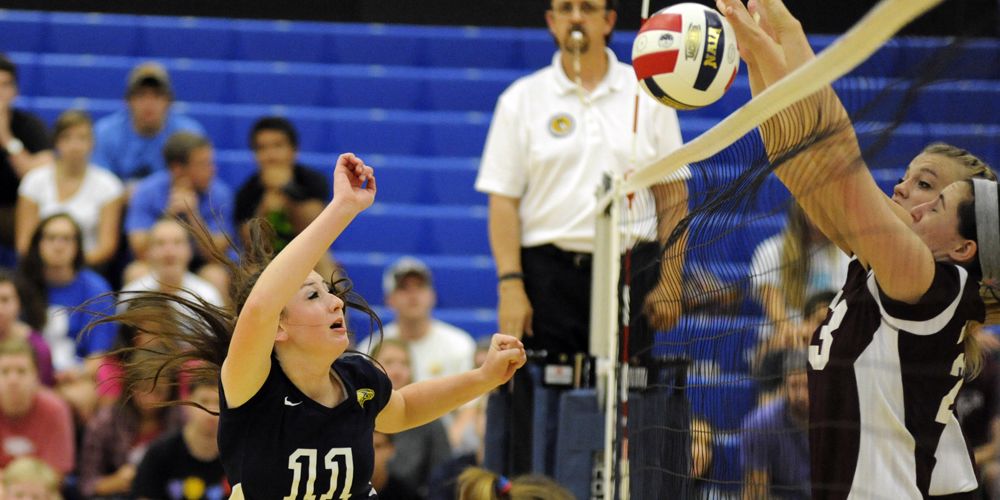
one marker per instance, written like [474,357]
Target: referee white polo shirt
[549,147]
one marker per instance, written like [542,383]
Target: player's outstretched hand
[353,182]
[769,38]
[505,356]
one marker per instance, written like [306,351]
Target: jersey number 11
[337,461]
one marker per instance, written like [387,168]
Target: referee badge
[561,125]
[365,395]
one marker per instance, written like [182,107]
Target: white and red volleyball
[685,56]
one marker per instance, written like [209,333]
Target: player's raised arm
[819,160]
[248,361]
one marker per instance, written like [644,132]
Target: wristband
[510,276]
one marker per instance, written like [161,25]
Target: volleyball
[685,56]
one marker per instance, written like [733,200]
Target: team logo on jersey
[365,395]
[561,125]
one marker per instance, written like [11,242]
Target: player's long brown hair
[196,341]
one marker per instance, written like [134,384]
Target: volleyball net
[702,308]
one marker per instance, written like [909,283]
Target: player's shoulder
[358,367]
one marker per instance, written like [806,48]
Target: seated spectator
[111,374]
[283,191]
[117,438]
[129,142]
[13,300]
[30,479]
[385,483]
[701,458]
[90,194]
[438,348]
[979,419]
[775,444]
[168,256]
[185,463]
[54,265]
[189,190]
[790,267]
[769,358]
[481,484]
[466,430]
[420,449]
[24,145]
[34,422]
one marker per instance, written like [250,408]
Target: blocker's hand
[505,356]
[770,39]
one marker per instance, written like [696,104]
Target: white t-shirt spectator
[98,188]
[191,283]
[445,350]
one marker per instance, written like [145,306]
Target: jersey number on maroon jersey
[337,461]
[819,355]
[945,411]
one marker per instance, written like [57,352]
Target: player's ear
[964,252]
[282,334]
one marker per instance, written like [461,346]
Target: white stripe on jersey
[886,466]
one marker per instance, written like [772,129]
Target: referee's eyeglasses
[585,9]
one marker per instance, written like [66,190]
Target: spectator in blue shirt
[775,445]
[189,190]
[54,265]
[130,142]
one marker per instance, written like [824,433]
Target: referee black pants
[558,284]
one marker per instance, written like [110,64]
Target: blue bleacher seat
[71,33]
[378,132]
[474,91]
[454,186]
[374,44]
[382,229]
[473,47]
[81,76]
[190,37]
[461,282]
[23,31]
[273,83]
[462,234]
[377,87]
[279,41]
[537,49]
[200,81]
[464,137]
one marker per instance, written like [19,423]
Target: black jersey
[883,378]
[282,445]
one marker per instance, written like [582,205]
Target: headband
[988,230]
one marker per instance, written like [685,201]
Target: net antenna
[846,53]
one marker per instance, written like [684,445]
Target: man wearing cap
[24,145]
[437,348]
[130,142]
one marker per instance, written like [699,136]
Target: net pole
[604,320]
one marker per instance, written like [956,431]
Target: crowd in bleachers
[88,208]
[102,208]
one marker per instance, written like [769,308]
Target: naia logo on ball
[705,70]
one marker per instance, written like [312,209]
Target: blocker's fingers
[788,32]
